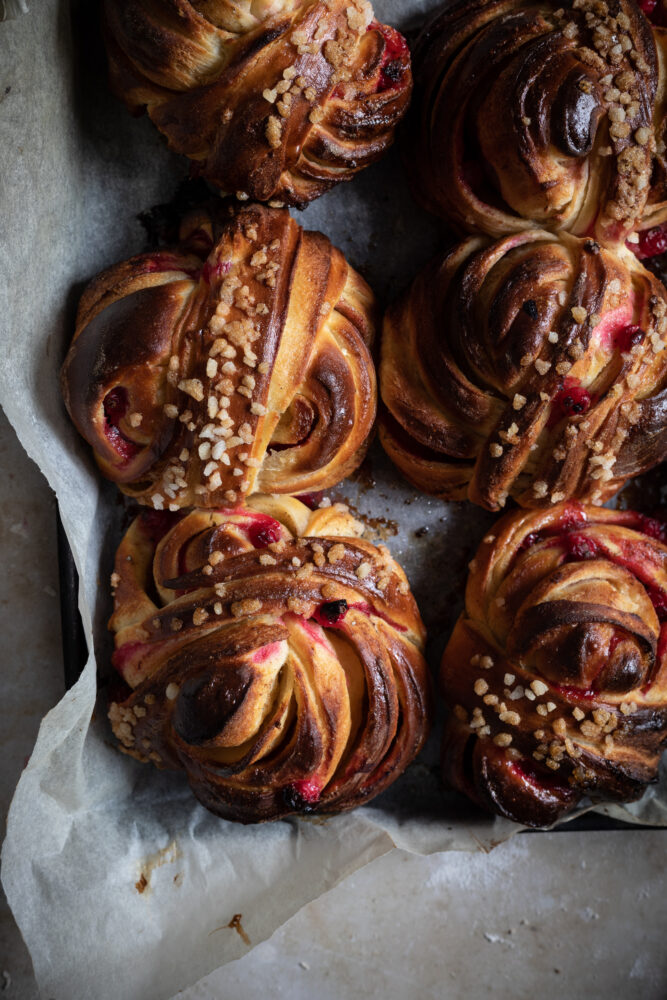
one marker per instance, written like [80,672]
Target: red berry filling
[163,261]
[659,601]
[529,774]
[652,527]
[578,546]
[309,791]
[331,613]
[626,338]
[654,11]
[651,242]
[311,500]
[531,539]
[264,532]
[121,657]
[573,693]
[302,795]
[214,270]
[115,408]
[570,401]
[572,517]
[396,52]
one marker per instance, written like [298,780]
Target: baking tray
[388,238]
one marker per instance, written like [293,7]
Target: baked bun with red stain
[270,99]
[533,368]
[556,672]
[646,242]
[271,653]
[238,362]
[536,114]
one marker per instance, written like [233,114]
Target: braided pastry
[199,377]
[273,655]
[273,99]
[533,368]
[655,213]
[556,672]
[536,114]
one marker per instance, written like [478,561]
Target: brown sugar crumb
[199,617]
[193,387]
[298,606]
[336,553]
[247,607]
[274,131]
[502,739]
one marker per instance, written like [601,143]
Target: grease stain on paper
[235,925]
[165,856]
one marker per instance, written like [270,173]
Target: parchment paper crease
[87,826]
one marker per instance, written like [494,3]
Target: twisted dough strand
[199,378]
[537,114]
[273,654]
[556,672]
[276,100]
[533,367]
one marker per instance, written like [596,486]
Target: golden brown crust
[273,654]
[200,381]
[276,100]
[655,212]
[556,672]
[533,367]
[535,114]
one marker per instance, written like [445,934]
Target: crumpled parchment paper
[123,886]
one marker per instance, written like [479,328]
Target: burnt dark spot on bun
[205,703]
